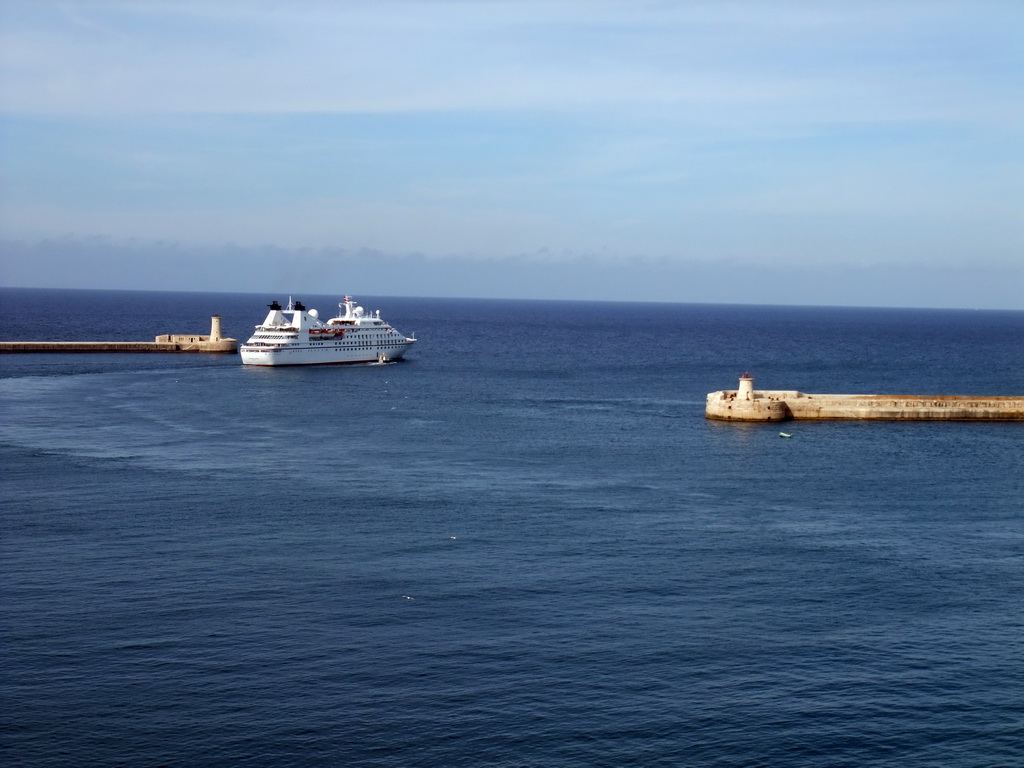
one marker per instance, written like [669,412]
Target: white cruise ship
[294,335]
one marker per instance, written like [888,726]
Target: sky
[866,153]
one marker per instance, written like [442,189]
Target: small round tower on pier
[746,389]
[215,328]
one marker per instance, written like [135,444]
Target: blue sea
[523,547]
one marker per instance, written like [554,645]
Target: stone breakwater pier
[748,404]
[170,342]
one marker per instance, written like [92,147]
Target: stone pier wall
[225,345]
[169,342]
[781,405]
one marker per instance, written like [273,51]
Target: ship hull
[326,355]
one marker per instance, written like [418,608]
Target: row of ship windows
[347,345]
[295,336]
[350,344]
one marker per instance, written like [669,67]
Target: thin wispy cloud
[414,56]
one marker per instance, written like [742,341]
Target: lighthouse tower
[215,328]
[746,389]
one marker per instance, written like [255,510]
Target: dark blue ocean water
[524,546]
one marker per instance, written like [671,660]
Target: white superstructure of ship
[294,335]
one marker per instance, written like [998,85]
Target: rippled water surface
[524,546]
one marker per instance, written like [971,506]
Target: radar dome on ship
[314,313]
